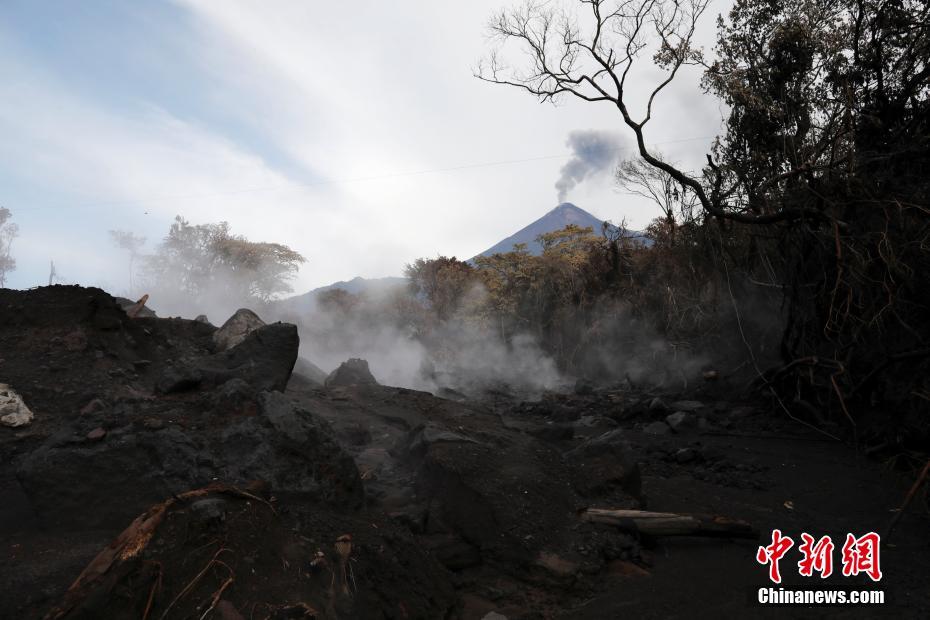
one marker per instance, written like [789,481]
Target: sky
[355,133]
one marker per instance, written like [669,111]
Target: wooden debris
[136,308]
[670,524]
[130,543]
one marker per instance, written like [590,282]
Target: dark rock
[419,440]
[583,387]
[236,328]
[107,314]
[235,397]
[202,318]
[153,424]
[681,421]
[93,406]
[451,551]
[657,428]
[561,413]
[658,405]
[179,378]
[75,341]
[685,455]
[287,447]
[604,463]
[687,405]
[356,435]
[484,493]
[264,359]
[742,412]
[594,423]
[554,432]
[97,434]
[351,372]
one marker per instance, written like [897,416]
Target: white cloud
[345,92]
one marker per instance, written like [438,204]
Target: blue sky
[297,122]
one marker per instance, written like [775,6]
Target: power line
[325,182]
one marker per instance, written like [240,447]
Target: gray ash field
[164,475]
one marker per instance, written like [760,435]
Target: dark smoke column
[594,152]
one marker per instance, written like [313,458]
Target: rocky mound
[242,323]
[129,413]
[351,372]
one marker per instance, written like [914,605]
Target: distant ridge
[557,219]
[358,285]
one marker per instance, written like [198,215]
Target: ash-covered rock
[264,358]
[351,372]
[131,411]
[104,480]
[13,411]
[242,323]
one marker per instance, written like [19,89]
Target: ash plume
[594,152]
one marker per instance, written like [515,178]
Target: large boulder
[508,496]
[236,328]
[351,372]
[264,358]
[74,482]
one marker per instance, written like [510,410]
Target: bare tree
[638,177]
[8,232]
[132,244]
[590,56]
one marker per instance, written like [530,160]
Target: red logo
[859,555]
[817,556]
[773,553]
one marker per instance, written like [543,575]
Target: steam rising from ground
[406,346]
[594,152]
[458,354]
[470,356]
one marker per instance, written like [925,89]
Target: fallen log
[670,524]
